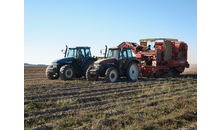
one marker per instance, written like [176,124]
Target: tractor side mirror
[62,51]
[102,53]
[105,52]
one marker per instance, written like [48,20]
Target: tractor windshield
[113,53]
[72,52]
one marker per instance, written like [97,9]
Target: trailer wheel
[132,71]
[67,72]
[111,74]
[89,76]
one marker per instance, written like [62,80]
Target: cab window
[80,52]
[113,53]
[123,54]
[129,53]
[88,53]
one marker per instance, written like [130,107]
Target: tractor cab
[119,53]
[79,53]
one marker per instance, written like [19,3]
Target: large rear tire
[111,74]
[132,71]
[67,72]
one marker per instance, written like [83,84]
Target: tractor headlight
[55,64]
[97,65]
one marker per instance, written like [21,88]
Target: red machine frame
[153,62]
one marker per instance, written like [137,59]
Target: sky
[49,25]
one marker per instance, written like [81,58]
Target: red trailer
[159,56]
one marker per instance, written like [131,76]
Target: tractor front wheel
[89,76]
[51,75]
[67,72]
[111,74]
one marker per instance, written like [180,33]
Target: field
[149,103]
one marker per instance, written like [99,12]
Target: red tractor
[118,62]
[166,57]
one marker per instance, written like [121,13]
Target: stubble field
[154,103]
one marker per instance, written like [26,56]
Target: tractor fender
[111,65]
[129,61]
[87,60]
[65,60]
[71,64]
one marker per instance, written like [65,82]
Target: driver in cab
[80,56]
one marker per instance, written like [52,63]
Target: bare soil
[149,103]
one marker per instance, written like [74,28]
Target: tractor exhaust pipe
[105,50]
[66,50]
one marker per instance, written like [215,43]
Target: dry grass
[155,103]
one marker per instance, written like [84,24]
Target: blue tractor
[74,64]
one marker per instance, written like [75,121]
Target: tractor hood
[64,60]
[105,61]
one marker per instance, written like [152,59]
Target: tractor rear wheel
[132,71]
[85,68]
[111,74]
[67,72]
